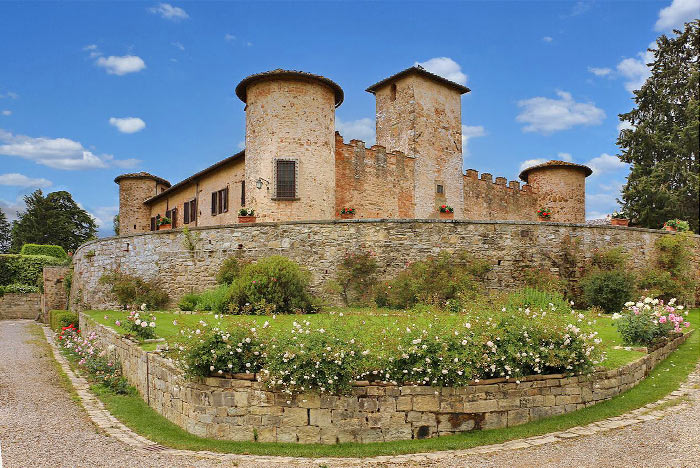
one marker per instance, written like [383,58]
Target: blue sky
[92,90]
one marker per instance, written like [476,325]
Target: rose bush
[646,322]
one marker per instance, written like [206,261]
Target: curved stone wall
[243,409]
[510,246]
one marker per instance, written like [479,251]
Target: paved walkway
[40,425]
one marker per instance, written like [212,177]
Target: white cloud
[169,12]
[564,157]
[605,163]
[534,162]
[58,153]
[468,132]
[103,216]
[445,67]
[547,39]
[600,71]
[677,14]
[545,115]
[360,129]
[10,95]
[178,45]
[229,37]
[635,70]
[7,112]
[14,179]
[121,65]
[10,208]
[127,124]
[624,125]
[93,49]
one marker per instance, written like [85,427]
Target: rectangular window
[213,203]
[224,193]
[153,224]
[189,211]
[193,211]
[440,190]
[243,193]
[172,215]
[219,202]
[285,179]
[186,213]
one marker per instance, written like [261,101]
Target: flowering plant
[164,220]
[544,213]
[246,212]
[446,209]
[619,215]
[677,224]
[141,326]
[347,211]
[649,320]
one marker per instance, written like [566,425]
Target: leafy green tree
[115,224]
[52,219]
[662,143]
[5,233]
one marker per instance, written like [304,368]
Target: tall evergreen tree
[52,219]
[662,143]
[5,233]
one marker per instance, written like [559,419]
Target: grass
[665,378]
[374,321]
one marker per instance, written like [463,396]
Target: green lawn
[377,322]
[665,378]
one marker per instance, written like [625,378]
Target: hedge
[24,269]
[48,250]
[62,318]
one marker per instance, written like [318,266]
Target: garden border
[245,410]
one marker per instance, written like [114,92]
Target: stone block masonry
[238,409]
[55,296]
[20,306]
[509,246]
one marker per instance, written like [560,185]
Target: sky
[92,90]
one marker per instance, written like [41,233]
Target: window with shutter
[186,213]
[213,203]
[225,195]
[153,224]
[173,212]
[243,193]
[285,179]
[193,210]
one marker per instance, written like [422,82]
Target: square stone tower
[420,114]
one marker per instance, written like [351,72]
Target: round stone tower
[134,190]
[290,144]
[561,187]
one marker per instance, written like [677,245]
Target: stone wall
[54,297]
[509,246]
[243,409]
[377,183]
[562,189]
[20,306]
[486,199]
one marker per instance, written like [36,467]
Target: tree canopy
[5,233]
[52,219]
[662,142]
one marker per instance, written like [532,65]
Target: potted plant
[165,223]
[347,213]
[446,212]
[676,225]
[544,214]
[246,215]
[619,219]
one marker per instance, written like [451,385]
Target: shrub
[20,288]
[356,277]
[608,290]
[536,300]
[230,269]
[24,269]
[543,280]
[672,272]
[437,280]
[188,301]
[273,284]
[47,250]
[212,351]
[62,318]
[141,326]
[648,321]
[213,300]
[130,290]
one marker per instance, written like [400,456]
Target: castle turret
[134,189]
[420,114]
[561,187]
[290,144]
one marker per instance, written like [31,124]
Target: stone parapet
[20,306]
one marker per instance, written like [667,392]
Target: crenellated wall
[377,183]
[487,199]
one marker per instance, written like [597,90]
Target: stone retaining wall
[20,306]
[245,410]
[510,246]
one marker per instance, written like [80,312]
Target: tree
[662,143]
[5,233]
[115,224]
[52,219]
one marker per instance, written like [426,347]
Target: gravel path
[41,426]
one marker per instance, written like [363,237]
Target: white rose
[152,324]
[143,306]
[144,324]
[138,322]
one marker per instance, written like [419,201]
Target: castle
[295,166]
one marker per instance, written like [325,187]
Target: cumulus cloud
[11,208]
[600,71]
[546,115]
[58,153]
[445,67]
[469,132]
[360,129]
[635,70]
[169,12]
[103,216]
[93,50]
[121,65]
[677,14]
[534,162]
[14,179]
[547,39]
[7,112]
[605,163]
[127,124]
[624,125]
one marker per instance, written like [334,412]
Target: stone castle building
[295,166]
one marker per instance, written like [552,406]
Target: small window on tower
[440,189]
[393,91]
